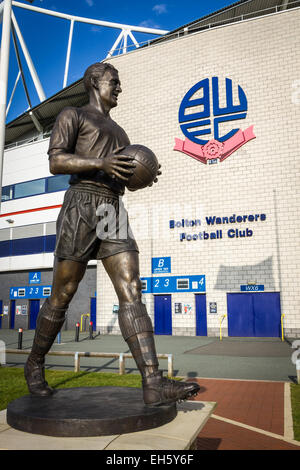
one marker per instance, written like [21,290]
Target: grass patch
[13,384]
[295,400]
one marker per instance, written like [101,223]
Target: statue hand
[117,165]
[156,179]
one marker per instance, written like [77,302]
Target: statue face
[109,87]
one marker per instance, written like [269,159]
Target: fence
[77,355]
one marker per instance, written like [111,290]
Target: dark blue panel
[12,314]
[5,248]
[93,312]
[57,183]
[162,315]
[27,246]
[33,313]
[240,315]
[201,319]
[267,315]
[50,243]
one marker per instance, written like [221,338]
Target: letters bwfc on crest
[208,114]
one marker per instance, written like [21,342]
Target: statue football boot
[137,330]
[49,323]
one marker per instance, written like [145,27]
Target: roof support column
[34,75]
[68,53]
[4,61]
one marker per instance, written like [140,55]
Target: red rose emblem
[213,149]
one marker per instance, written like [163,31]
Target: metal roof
[241,10]
[75,94]
[46,112]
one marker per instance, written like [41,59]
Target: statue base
[87,411]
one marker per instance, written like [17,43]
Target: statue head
[103,79]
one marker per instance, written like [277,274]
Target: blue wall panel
[5,248]
[27,246]
[49,243]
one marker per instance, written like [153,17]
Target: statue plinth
[87,411]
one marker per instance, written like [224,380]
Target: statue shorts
[92,224]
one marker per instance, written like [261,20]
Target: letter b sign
[161,265]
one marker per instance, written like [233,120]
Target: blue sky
[47,37]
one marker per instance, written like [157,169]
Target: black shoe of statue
[158,390]
[34,372]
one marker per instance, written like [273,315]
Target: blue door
[266,306]
[12,314]
[201,319]
[254,314]
[34,308]
[1,312]
[93,312]
[240,315]
[162,315]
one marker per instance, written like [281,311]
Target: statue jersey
[88,133]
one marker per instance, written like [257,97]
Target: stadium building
[218,101]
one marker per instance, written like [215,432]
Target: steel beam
[81,19]
[34,75]
[4,61]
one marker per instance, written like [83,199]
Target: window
[34,187]
[58,183]
[183,284]
[46,291]
[30,188]
[7,193]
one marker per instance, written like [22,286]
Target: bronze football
[146,167]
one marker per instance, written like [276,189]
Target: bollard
[77,332]
[170,365]
[76,362]
[91,330]
[121,364]
[20,337]
[298,370]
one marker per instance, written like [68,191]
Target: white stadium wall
[259,182]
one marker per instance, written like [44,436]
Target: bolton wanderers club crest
[200,123]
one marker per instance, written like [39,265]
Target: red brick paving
[257,404]
[217,435]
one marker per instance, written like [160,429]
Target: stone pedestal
[87,411]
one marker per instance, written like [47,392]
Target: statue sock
[137,330]
[49,323]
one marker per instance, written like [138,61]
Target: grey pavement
[208,357]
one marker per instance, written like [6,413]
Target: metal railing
[202,26]
[84,317]
[78,354]
[221,320]
[29,140]
[282,327]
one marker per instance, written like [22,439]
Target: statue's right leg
[66,277]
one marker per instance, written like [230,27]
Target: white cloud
[89,2]
[149,24]
[96,29]
[160,8]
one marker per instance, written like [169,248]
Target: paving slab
[180,434]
